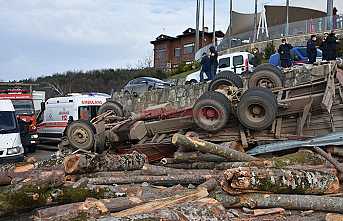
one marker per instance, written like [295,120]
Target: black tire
[211,112]
[257,109]
[114,106]
[81,134]
[266,76]
[191,82]
[225,78]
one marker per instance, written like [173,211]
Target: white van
[238,62]
[11,148]
[57,111]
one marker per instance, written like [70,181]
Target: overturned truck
[267,106]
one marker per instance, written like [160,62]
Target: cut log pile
[203,181]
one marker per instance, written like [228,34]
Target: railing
[305,27]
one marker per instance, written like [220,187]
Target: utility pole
[287,18]
[214,22]
[197,32]
[255,21]
[329,14]
[203,24]
[230,27]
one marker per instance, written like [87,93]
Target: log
[207,147]
[302,157]
[171,180]
[253,179]
[79,164]
[333,217]
[5,180]
[329,158]
[163,203]
[289,202]
[198,157]
[203,209]
[219,166]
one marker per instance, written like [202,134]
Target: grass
[183,74]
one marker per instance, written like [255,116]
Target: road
[43,152]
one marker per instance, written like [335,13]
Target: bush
[269,50]
[183,67]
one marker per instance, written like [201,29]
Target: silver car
[140,85]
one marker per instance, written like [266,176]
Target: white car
[11,148]
[238,62]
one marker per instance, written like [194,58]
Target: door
[238,64]
[224,64]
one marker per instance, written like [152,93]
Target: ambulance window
[88,112]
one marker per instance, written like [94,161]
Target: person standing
[213,61]
[257,57]
[205,67]
[311,49]
[324,47]
[285,53]
[332,47]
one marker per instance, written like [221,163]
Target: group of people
[209,64]
[328,45]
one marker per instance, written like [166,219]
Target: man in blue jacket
[205,67]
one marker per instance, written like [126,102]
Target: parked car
[298,54]
[140,85]
[11,148]
[238,62]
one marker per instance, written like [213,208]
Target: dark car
[140,85]
[298,54]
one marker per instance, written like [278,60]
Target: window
[88,112]
[188,48]
[224,63]
[237,60]
[177,52]
[251,59]
[161,54]
[8,123]
[23,107]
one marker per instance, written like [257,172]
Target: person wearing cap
[312,49]
[285,53]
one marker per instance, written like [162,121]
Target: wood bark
[219,166]
[203,209]
[79,164]
[253,179]
[171,180]
[286,201]
[207,147]
[198,157]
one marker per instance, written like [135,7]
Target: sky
[43,37]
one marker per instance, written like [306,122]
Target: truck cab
[56,112]
[22,99]
[11,148]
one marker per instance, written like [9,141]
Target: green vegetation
[269,50]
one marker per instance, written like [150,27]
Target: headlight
[34,136]
[13,150]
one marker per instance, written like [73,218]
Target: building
[170,52]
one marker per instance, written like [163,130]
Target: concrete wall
[176,97]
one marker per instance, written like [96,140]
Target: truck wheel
[266,76]
[114,106]
[212,111]
[257,109]
[225,79]
[81,134]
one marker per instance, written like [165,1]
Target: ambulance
[56,112]
[11,148]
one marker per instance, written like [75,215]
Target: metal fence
[319,25]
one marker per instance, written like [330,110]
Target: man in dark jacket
[332,47]
[311,49]
[213,61]
[257,57]
[285,53]
[324,47]
[205,67]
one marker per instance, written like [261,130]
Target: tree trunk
[290,202]
[219,166]
[198,157]
[207,147]
[195,179]
[253,179]
[79,164]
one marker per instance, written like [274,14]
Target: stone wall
[176,97]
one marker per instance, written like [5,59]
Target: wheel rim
[80,136]
[256,113]
[209,115]
[265,83]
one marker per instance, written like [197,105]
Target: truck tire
[225,78]
[257,109]
[211,112]
[81,134]
[267,76]
[114,106]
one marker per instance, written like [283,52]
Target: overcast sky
[42,37]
